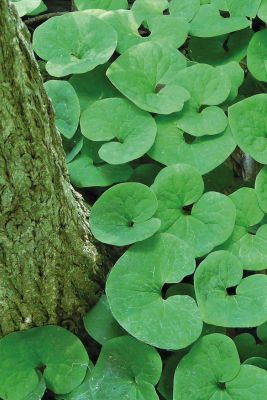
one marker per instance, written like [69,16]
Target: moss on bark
[50,268]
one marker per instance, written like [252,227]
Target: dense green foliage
[155,105]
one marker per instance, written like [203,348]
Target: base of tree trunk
[51,269]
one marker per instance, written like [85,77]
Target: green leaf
[246,308]
[124,22]
[100,323]
[101,4]
[186,9]
[208,22]
[262,333]
[250,130]
[261,188]
[75,150]
[126,369]
[165,386]
[66,106]
[84,43]
[248,242]
[93,86]
[246,8]
[262,13]
[258,362]
[144,10]
[247,347]
[123,214]
[145,173]
[209,222]
[211,85]
[175,31]
[147,84]
[208,86]
[83,391]
[52,350]
[220,50]
[250,380]
[181,289]
[211,370]
[126,26]
[204,153]
[122,125]
[134,293]
[87,169]
[25,6]
[212,360]
[39,390]
[222,179]
[236,75]
[257,55]
[40,9]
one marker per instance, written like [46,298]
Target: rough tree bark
[50,267]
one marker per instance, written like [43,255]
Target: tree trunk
[50,268]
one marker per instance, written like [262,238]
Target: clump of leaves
[162,112]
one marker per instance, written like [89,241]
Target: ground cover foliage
[162,109]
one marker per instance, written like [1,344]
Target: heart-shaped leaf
[87,169]
[220,49]
[101,4]
[236,75]
[246,8]
[51,350]
[147,84]
[186,9]
[248,347]
[245,307]
[134,293]
[204,153]
[66,105]
[250,130]
[93,86]
[248,242]
[211,370]
[209,222]
[127,27]
[126,369]
[145,10]
[208,86]
[134,130]
[123,214]
[100,323]
[208,22]
[257,55]
[84,42]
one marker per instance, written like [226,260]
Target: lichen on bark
[51,269]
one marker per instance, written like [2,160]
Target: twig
[42,17]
